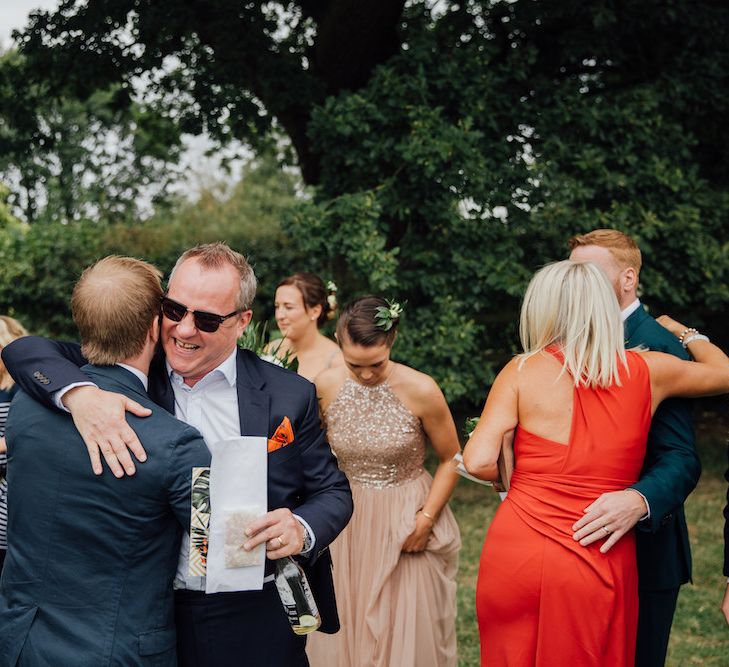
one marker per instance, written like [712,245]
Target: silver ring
[607,530]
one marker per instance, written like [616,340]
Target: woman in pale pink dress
[395,564]
[303,305]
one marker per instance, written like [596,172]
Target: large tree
[453,146]
[68,158]
[236,68]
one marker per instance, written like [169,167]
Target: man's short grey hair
[217,255]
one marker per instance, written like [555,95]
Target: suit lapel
[160,389]
[254,404]
[632,323]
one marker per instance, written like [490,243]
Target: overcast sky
[14,15]
[201,169]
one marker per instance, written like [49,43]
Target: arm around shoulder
[707,375]
[41,366]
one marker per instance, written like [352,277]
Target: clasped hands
[610,517]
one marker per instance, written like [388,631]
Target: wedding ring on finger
[607,530]
[281,542]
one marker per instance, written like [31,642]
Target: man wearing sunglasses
[205,380]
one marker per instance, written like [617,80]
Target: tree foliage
[70,158]
[469,162]
[453,147]
[39,264]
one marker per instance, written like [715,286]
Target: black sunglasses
[207,322]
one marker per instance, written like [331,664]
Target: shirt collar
[627,312]
[228,370]
[137,373]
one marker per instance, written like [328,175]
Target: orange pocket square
[283,436]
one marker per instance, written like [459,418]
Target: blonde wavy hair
[10,329]
[571,306]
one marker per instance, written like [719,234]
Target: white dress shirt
[627,312]
[211,406]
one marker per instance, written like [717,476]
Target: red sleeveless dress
[542,599]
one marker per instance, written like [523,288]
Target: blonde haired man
[671,470]
[88,576]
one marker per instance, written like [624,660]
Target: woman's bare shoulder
[330,352]
[415,384]
[330,380]
[278,347]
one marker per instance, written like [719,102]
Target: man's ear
[629,279]
[244,319]
[154,330]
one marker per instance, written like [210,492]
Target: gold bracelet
[426,515]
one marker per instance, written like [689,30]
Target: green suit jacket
[670,472]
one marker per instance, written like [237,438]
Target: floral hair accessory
[386,317]
[332,296]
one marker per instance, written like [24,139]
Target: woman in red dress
[581,406]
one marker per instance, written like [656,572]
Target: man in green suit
[670,472]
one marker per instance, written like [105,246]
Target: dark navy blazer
[670,472]
[88,576]
[302,476]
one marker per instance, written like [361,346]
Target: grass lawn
[700,635]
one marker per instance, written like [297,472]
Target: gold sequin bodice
[377,440]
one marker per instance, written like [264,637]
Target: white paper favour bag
[238,495]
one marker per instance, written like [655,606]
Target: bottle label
[297,598]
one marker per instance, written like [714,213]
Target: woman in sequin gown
[395,563]
[581,405]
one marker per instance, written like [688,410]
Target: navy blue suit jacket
[302,476]
[670,472]
[88,575]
